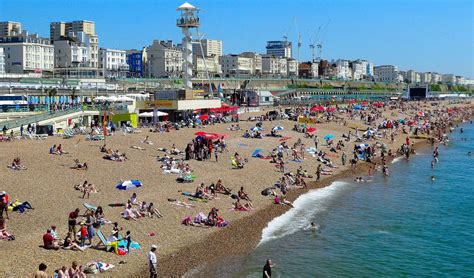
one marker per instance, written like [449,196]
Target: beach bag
[122,251]
[233,196]
[200,218]
[222,223]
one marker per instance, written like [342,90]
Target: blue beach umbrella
[357,107]
[256,129]
[278,128]
[128,184]
[328,137]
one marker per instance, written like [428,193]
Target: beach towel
[285,138]
[94,267]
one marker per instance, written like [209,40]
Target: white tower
[188,19]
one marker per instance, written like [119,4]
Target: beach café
[178,104]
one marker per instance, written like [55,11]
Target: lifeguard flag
[105,123]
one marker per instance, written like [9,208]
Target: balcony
[188,22]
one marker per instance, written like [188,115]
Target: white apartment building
[78,50]
[343,70]
[113,62]
[361,69]
[2,61]
[314,69]
[411,77]
[256,62]
[460,80]
[436,77]
[386,73]
[27,53]
[164,59]
[244,65]
[449,79]
[274,66]
[425,77]
[292,67]
[202,66]
[209,48]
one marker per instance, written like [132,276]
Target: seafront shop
[176,104]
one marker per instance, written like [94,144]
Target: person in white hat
[152,262]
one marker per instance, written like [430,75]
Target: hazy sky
[424,35]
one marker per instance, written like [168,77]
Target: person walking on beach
[318,172]
[344,159]
[216,155]
[267,269]
[152,262]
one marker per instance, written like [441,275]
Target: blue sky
[424,35]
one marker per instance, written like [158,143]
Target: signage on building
[161,104]
[163,95]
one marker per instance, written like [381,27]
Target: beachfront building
[202,66]
[77,55]
[425,77]
[308,70]
[386,73]
[247,64]
[436,78]
[2,61]
[279,48]
[449,79]
[112,63]
[343,72]
[292,67]
[410,77]
[274,66]
[165,59]
[361,70]
[209,48]
[136,60]
[10,29]
[25,53]
[63,29]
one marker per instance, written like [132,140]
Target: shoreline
[226,243]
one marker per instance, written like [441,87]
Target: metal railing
[39,117]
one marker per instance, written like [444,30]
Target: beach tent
[256,153]
[128,184]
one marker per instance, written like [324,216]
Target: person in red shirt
[72,221]
[49,241]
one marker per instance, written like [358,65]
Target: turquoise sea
[405,225]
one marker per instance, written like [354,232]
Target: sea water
[397,226]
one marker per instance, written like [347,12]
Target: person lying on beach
[138,148]
[147,140]
[79,166]
[180,203]
[239,207]
[19,206]
[69,243]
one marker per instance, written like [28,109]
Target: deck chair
[89,207]
[103,241]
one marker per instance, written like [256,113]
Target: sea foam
[305,208]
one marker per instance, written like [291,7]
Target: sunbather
[79,166]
